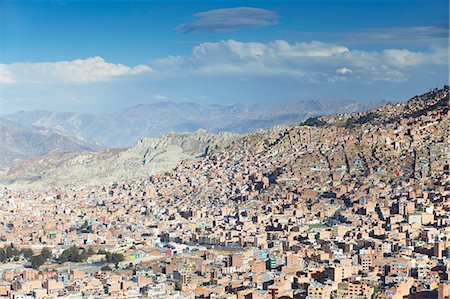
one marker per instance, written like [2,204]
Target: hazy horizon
[212,104]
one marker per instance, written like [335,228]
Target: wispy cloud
[412,35]
[400,35]
[229,19]
[87,70]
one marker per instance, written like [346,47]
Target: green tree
[106,268]
[9,252]
[113,258]
[116,258]
[90,251]
[2,255]
[37,261]
[73,254]
[12,252]
[27,253]
[83,255]
[46,253]
[101,251]
[85,225]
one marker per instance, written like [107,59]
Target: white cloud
[407,58]
[5,74]
[227,70]
[343,70]
[307,62]
[311,62]
[91,69]
[385,73]
[277,49]
[404,57]
[160,97]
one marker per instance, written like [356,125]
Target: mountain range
[22,142]
[127,126]
[156,155]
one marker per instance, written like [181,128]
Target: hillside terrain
[393,144]
[22,142]
[126,127]
[148,156]
[343,145]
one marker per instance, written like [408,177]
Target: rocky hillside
[398,148]
[148,156]
[22,142]
[415,107]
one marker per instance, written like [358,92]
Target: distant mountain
[125,127]
[148,156]
[22,142]
[158,155]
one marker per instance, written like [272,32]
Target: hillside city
[343,206]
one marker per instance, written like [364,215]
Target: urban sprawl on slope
[346,206]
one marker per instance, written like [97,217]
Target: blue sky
[101,56]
